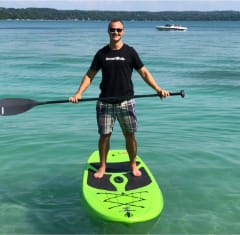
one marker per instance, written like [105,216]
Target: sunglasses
[112,30]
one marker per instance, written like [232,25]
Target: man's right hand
[75,98]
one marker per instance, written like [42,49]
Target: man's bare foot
[135,171]
[99,174]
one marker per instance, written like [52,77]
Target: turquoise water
[191,144]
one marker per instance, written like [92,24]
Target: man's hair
[114,20]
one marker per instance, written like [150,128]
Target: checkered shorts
[124,112]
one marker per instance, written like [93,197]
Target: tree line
[53,14]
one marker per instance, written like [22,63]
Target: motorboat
[171,27]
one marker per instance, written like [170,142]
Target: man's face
[116,31]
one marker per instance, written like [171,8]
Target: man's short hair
[115,20]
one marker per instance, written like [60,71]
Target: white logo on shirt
[115,58]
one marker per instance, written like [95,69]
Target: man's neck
[116,45]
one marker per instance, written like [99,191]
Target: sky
[127,5]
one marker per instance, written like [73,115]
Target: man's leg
[103,146]
[131,146]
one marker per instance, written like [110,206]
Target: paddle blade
[13,106]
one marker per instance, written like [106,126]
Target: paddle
[13,106]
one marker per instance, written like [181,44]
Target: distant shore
[53,14]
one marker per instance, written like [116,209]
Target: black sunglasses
[112,30]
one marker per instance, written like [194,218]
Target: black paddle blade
[13,106]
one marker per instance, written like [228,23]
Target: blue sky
[127,5]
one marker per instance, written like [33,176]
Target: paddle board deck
[119,196]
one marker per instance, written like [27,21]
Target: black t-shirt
[117,67]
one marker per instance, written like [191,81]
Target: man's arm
[85,83]
[148,78]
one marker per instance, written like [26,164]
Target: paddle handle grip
[181,93]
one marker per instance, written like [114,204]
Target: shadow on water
[107,227]
[55,208]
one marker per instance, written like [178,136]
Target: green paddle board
[119,196]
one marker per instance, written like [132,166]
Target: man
[117,61]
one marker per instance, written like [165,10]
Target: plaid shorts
[124,112]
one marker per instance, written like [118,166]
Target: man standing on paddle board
[116,61]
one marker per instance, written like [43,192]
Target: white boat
[171,27]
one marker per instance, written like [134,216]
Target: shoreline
[80,15]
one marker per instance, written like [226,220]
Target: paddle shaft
[181,93]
